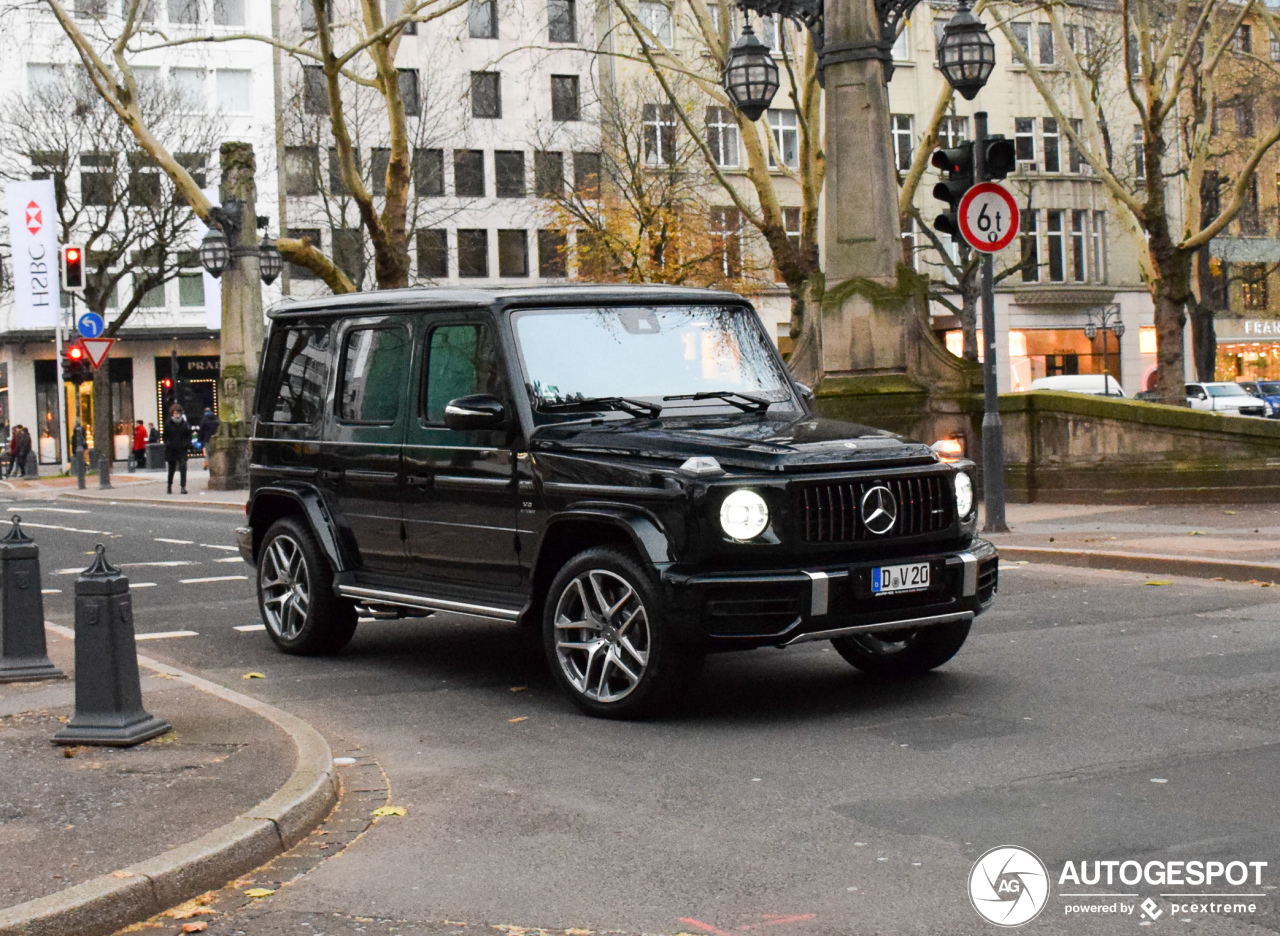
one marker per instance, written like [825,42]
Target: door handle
[329,475]
[418,480]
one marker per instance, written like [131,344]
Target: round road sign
[90,325]
[988,217]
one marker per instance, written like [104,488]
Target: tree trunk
[970,293]
[1171,291]
[805,361]
[1204,341]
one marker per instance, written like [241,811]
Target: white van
[1096,384]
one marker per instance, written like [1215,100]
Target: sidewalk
[1212,541]
[143,487]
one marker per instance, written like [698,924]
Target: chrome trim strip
[431,604]
[463,483]
[286,470]
[819,589]
[882,626]
[608,490]
[969,588]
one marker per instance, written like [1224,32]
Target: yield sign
[97,349]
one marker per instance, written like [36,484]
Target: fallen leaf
[259,892]
[1158,582]
[1231,512]
[69,752]
[1195,533]
[1217,578]
[197,927]
[389,811]
[577,932]
[520,719]
[122,874]
[255,675]
[518,689]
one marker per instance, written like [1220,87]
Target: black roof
[483,297]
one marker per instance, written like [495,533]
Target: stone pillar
[241,324]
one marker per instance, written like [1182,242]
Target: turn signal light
[949,450]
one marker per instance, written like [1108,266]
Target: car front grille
[829,513]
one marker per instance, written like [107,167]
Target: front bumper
[244,542]
[730,610]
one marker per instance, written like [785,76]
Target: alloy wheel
[285,585]
[602,635]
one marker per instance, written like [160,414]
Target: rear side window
[374,368]
[461,361]
[297,367]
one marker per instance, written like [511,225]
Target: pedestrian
[23,449]
[177,443]
[153,434]
[139,445]
[208,429]
[13,451]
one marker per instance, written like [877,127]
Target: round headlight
[744,515]
[964,494]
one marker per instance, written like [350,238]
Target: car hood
[750,441]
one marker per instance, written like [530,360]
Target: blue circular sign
[90,325]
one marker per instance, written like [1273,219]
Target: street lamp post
[1106,319]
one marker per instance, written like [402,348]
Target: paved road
[1091,716]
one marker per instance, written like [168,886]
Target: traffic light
[76,367]
[73,269]
[957,163]
[999,159]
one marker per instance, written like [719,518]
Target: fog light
[964,494]
[744,515]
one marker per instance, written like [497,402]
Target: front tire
[607,640]
[294,597]
[903,654]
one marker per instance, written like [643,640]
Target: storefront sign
[33,233]
[1247,329]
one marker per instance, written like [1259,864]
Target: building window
[428,172]
[311,236]
[1079,231]
[901,124]
[548,174]
[482,19]
[1097,247]
[552,247]
[348,253]
[191,290]
[473,253]
[952,131]
[722,136]
[188,11]
[1030,247]
[1053,239]
[301,170]
[562,21]
[564,97]
[586,174]
[1253,286]
[1139,160]
[1244,119]
[656,17]
[233,90]
[433,253]
[908,228]
[395,10]
[1242,41]
[513,253]
[309,13]
[379,161]
[1275,49]
[1024,141]
[1022,35]
[97,178]
[188,87]
[468,173]
[337,185]
[786,137]
[228,12]
[486,95]
[508,173]
[1047,51]
[726,235]
[144,181]
[409,91]
[659,133]
[1049,139]
[315,90]
[1250,218]
[1075,158]
[152,297]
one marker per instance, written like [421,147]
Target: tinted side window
[297,369]
[461,361]
[374,365]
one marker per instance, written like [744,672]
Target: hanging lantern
[215,254]
[966,54]
[751,76]
[270,263]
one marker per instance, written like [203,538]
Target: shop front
[1248,349]
[196,386]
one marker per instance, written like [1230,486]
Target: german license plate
[913,576]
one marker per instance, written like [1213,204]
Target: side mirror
[481,411]
[805,390]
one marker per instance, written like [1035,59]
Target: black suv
[631,469]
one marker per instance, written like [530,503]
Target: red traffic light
[73,254]
[73,269]
[167,383]
[75,353]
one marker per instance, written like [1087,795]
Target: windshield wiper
[626,404]
[743,401]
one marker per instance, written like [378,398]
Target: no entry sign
[988,217]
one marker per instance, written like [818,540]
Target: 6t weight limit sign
[988,217]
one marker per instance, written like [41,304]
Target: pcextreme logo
[1009,886]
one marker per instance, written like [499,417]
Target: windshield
[1226,390]
[647,353]
[1269,387]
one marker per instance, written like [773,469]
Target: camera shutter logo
[879,510]
[1009,886]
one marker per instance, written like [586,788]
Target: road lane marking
[65,529]
[133,585]
[249,628]
[47,510]
[51,591]
[161,539]
[68,571]
[216,546]
[230,559]
[215,578]
[166,562]
[161,635]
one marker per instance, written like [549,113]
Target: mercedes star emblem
[879,510]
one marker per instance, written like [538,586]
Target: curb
[155,502]
[107,903]
[1152,563]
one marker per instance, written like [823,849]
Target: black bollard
[77,454]
[23,653]
[108,692]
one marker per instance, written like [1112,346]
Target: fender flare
[317,516]
[646,535]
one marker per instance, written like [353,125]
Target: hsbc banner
[33,233]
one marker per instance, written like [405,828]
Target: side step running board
[380,596]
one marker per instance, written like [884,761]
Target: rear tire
[903,654]
[607,640]
[295,596]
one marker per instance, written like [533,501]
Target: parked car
[1224,397]
[630,469]
[1096,384]
[1266,390]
